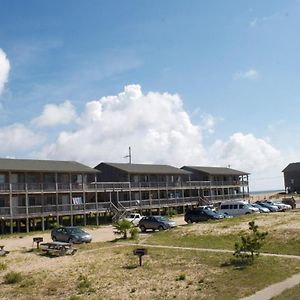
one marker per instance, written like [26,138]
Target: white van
[237,208]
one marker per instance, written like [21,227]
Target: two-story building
[36,193]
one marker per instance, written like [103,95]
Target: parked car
[261,208]
[272,208]
[237,208]
[281,206]
[290,201]
[155,222]
[201,214]
[70,235]
[134,218]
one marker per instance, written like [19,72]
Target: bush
[180,277]
[133,233]
[122,227]
[12,277]
[3,266]
[250,244]
[83,283]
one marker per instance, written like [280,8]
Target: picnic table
[58,248]
[2,251]
[37,240]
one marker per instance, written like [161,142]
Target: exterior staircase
[119,211]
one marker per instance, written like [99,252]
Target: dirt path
[275,289]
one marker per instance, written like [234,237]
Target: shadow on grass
[238,263]
[130,267]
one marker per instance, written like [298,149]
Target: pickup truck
[134,218]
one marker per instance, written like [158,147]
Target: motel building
[39,194]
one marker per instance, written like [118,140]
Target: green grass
[278,241]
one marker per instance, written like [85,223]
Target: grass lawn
[111,271]
[283,228]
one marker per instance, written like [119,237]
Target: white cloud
[258,21]
[159,130]
[4,69]
[18,137]
[251,154]
[209,122]
[250,74]
[56,114]
[155,125]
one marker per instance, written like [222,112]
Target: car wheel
[54,239]
[143,228]
[247,213]
[189,221]
[160,228]
[70,240]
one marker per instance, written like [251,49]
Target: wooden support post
[43,224]
[11,226]
[27,225]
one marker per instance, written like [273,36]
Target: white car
[134,218]
[281,206]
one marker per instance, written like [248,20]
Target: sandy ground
[101,234]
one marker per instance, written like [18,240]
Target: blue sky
[234,68]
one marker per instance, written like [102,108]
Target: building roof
[147,169]
[215,170]
[32,165]
[292,167]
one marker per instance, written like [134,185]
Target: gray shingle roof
[148,169]
[215,170]
[292,167]
[32,165]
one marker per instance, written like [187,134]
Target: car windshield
[162,219]
[75,230]
[210,212]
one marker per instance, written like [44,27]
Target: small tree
[251,243]
[122,227]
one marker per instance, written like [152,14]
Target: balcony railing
[113,186]
[50,209]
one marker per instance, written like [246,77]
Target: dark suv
[200,214]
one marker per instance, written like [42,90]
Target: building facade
[34,193]
[292,178]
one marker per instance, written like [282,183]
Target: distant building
[292,178]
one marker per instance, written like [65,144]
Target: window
[224,206]
[241,206]
[235,206]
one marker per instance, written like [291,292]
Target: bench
[58,248]
[37,240]
[2,251]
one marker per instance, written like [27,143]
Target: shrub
[133,233]
[122,227]
[250,244]
[172,212]
[83,283]
[3,266]
[180,277]
[12,277]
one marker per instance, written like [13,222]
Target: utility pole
[129,155]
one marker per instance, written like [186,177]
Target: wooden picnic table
[58,248]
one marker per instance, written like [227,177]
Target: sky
[200,83]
